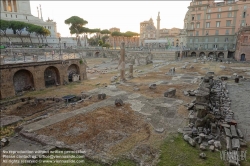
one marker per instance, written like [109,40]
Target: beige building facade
[154,37]
[213,25]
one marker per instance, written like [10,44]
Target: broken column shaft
[122,70]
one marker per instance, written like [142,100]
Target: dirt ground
[102,129]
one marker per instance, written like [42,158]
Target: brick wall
[34,72]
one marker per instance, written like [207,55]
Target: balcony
[190,29]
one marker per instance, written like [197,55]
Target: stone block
[170,92]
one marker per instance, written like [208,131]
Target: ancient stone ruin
[211,120]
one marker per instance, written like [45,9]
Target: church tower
[158,26]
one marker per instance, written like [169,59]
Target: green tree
[76,23]
[106,45]
[18,27]
[30,29]
[44,33]
[4,25]
[100,43]
[105,31]
[37,30]
[104,38]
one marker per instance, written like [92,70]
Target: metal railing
[12,59]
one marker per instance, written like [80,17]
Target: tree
[4,25]
[38,30]
[104,38]
[105,31]
[100,43]
[30,29]
[44,33]
[76,23]
[106,45]
[18,27]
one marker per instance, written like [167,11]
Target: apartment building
[212,26]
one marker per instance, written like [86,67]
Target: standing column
[131,71]
[122,62]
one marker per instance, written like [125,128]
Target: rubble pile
[211,120]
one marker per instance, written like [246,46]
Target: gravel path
[240,96]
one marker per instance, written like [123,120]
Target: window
[242,22]
[218,15]
[191,40]
[16,16]
[217,32]
[198,25]
[198,17]
[226,39]
[207,33]
[208,24]
[245,39]
[26,18]
[209,10]
[217,23]
[192,26]
[199,8]
[216,39]
[219,9]
[208,16]
[192,17]
[244,15]
[227,32]
[197,33]
[191,33]
[245,7]
[11,15]
[6,15]
[206,40]
[200,2]
[229,14]
[228,23]
[196,40]
[230,8]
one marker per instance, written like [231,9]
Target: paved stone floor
[240,96]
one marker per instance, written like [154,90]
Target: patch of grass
[175,151]
[124,162]
[7,131]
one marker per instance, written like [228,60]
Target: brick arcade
[38,75]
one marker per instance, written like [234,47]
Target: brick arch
[51,76]
[23,80]
[211,54]
[193,53]
[202,54]
[96,54]
[221,55]
[73,69]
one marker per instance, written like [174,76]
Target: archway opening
[221,55]
[73,71]
[51,76]
[96,54]
[193,54]
[242,57]
[211,55]
[23,81]
[202,54]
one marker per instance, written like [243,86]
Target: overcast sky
[125,15]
